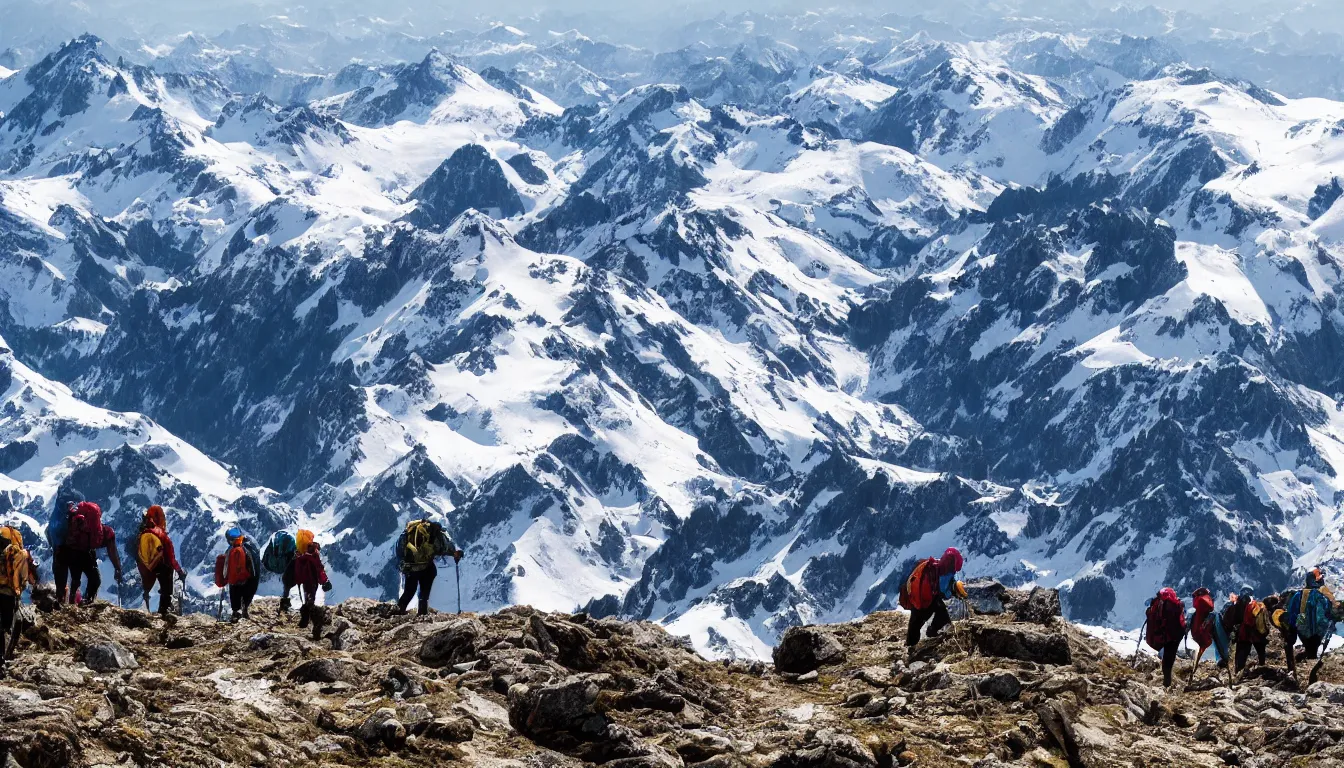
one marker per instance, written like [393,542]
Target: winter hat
[1168,594]
[1247,590]
[1202,591]
[156,517]
[951,562]
[233,534]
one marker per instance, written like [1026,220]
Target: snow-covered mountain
[723,334]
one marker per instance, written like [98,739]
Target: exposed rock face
[469,178]
[1023,645]
[803,649]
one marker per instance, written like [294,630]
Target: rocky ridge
[1012,685]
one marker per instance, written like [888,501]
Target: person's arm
[110,537]
[453,551]
[170,554]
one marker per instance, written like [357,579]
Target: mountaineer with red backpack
[1165,620]
[76,533]
[1247,620]
[309,575]
[239,569]
[156,559]
[925,591]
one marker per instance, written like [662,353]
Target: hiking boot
[245,614]
[233,619]
[284,605]
[423,608]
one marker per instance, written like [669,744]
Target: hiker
[417,548]
[17,573]
[309,574]
[239,568]
[76,534]
[1202,627]
[278,558]
[1306,617]
[1246,620]
[925,592]
[1166,628]
[156,558]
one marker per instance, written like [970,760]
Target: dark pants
[1168,653]
[240,595]
[9,605]
[421,581]
[288,580]
[1310,645]
[1244,652]
[919,616]
[71,564]
[164,576]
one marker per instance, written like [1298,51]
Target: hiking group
[76,533]
[1305,615]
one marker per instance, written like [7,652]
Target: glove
[326,587]
[457,556]
[959,588]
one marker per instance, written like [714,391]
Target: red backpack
[86,527]
[1201,629]
[918,590]
[237,569]
[1166,619]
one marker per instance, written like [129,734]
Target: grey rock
[459,642]
[803,649]
[324,671]
[1022,645]
[109,656]
[1003,686]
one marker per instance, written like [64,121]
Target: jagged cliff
[101,686]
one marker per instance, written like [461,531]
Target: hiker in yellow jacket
[18,571]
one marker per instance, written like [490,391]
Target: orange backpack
[237,569]
[918,588]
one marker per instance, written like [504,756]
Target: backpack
[420,543]
[86,527]
[150,549]
[1166,620]
[221,565]
[238,566]
[917,592]
[1312,618]
[59,525]
[280,552]
[1255,622]
[302,540]
[14,573]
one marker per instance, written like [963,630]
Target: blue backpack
[1309,613]
[280,552]
[59,525]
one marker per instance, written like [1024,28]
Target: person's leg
[92,577]
[426,580]
[250,592]
[9,605]
[287,579]
[1243,653]
[1312,646]
[1261,651]
[941,618]
[918,617]
[75,564]
[1289,641]
[408,591]
[165,590]
[60,571]
[1169,651]
[236,601]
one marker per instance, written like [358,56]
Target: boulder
[828,749]
[1007,642]
[324,671]
[403,683]
[1040,606]
[450,729]
[986,596]
[109,656]
[1000,685]
[557,715]
[803,649]
[44,598]
[383,727]
[459,642]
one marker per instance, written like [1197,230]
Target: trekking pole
[1139,645]
[1316,669]
[457,575]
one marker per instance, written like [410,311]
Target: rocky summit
[101,687]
